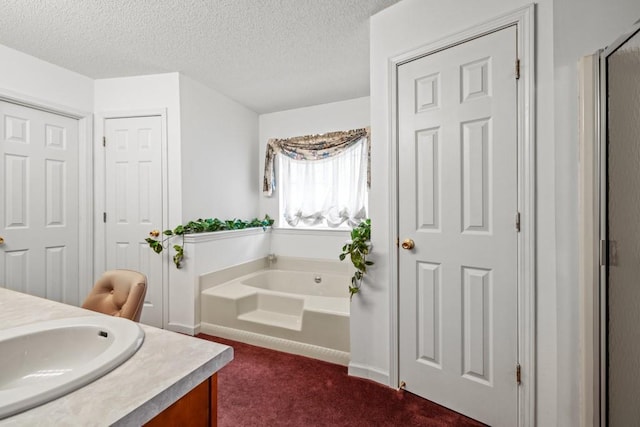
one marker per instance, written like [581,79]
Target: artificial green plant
[200,226]
[358,249]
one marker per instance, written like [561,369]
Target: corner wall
[219,166]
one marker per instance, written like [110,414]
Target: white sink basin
[42,361]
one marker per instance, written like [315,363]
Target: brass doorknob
[1,241]
[408,244]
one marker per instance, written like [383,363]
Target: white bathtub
[300,283]
[295,311]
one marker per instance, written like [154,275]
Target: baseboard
[183,329]
[373,374]
[280,344]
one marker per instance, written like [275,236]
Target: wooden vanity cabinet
[199,407]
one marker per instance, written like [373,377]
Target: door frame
[524,19]
[589,240]
[85,174]
[100,192]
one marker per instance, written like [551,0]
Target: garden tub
[301,312]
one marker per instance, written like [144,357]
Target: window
[322,179]
[328,192]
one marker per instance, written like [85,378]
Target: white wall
[406,26]
[219,165]
[335,116]
[32,79]
[314,244]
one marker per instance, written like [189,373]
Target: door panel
[623,210]
[458,200]
[134,203]
[39,203]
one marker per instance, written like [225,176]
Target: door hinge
[104,141]
[604,246]
[104,217]
[518,374]
[518,69]
[518,222]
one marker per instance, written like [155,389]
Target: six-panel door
[457,128]
[39,203]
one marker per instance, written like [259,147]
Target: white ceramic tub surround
[296,305]
[165,368]
[204,253]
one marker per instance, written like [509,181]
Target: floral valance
[313,147]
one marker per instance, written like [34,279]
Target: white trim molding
[275,343]
[368,372]
[223,234]
[312,231]
[588,76]
[523,18]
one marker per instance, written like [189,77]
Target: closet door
[133,180]
[39,203]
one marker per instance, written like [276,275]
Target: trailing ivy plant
[357,250]
[200,226]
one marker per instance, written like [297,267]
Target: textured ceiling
[269,55]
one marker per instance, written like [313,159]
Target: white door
[39,203]
[133,177]
[458,202]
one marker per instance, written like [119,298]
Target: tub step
[271,318]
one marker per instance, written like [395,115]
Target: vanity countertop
[165,368]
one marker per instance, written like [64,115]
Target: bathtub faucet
[271,258]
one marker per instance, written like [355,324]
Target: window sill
[312,231]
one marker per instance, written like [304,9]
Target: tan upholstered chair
[118,293]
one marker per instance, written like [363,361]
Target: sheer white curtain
[325,192]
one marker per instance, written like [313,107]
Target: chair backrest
[118,293]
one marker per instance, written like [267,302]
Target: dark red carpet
[262,387]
